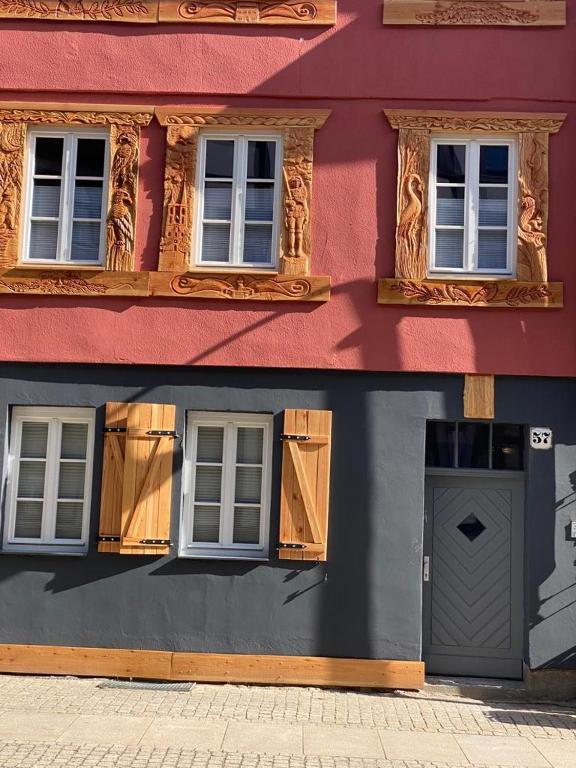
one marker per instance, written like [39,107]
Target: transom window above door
[239,200]
[474,445]
[66,197]
[473,202]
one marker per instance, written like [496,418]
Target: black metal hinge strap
[162,433]
[291,546]
[114,429]
[297,438]
[164,542]
[108,538]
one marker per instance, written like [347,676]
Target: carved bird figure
[123,166]
[409,223]
[120,230]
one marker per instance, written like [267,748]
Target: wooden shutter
[305,485]
[137,479]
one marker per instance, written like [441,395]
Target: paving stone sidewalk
[72,722]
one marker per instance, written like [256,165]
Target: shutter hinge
[283,545]
[114,429]
[297,438]
[165,542]
[162,433]
[107,538]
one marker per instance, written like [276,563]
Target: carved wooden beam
[449,120]
[134,11]
[469,293]
[487,13]
[278,12]
[73,282]
[235,117]
[245,286]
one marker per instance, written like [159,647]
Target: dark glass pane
[493,165]
[508,446]
[440,443]
[473,445]
[261,159]
[451,163]
[450,206]
[471,527]
[219,159]
[48,156]
[90,157]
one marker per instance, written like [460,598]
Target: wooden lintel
[469,293]
[212,667]
[240,286]
[479,396]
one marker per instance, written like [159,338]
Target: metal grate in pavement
[136,685]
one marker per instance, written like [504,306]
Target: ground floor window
[227,485]
[49,479]
[474,445]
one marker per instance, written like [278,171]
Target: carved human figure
[297,215]
[8,209]
[120,231]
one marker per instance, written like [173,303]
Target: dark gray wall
[365,601]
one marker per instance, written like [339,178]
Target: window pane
[48,156]
[88,200]
[28,520]
[71,483]
[246,525]
[261,159]
[206,527]
[210,444]
[216,242]
[493,207]
[220,159]
[440,442]
[208,484]
[69,520]
[34,440]
[248,485]
[74,441]
[249,445]
[90,157]
[449,248]
[85,241]
[217,200]
[451,163]
[507,446]
[31,479]
[492,249]
[493,165]
[46,198]
[473,445]
[259,202]
[258,243]
[43,240]
[450,206]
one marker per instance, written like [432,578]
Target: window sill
[15,549]
[508,293]
[97,282]
[213,555]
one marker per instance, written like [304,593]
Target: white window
[49,480]
[227,486]
[473,217]
[238,202]
[66,197]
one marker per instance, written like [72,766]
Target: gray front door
[473,596]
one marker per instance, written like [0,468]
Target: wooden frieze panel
[280,12]
[470,293]
[486,13]
[81,10]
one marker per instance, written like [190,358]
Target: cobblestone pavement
[71,722]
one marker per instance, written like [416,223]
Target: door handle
[426,568]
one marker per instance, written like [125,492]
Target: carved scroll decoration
[243,11]
[475,121]
[179,197]
[12,147]
[239,287]
[412,201]
[80,10]
[477,13]
[533,206]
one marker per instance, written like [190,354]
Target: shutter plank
[305,485]
[112,476]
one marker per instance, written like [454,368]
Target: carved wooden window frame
[178,274]
[412,283]
[123,124]
[265,12]
[484,13]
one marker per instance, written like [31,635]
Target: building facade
[287,369]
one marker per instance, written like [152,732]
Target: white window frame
[472,187]
[47,543]
[68,183]
[238,200]
[225,548]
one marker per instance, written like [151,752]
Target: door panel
[473,617]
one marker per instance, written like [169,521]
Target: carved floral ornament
[487,13]
[411,284]
[299,12]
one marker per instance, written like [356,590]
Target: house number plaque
[540,438]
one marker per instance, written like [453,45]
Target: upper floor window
[473,218]
[49,479]
[66,197]
[239,200]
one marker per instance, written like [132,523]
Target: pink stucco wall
[356,69]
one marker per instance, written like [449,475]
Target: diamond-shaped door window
[471,527]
